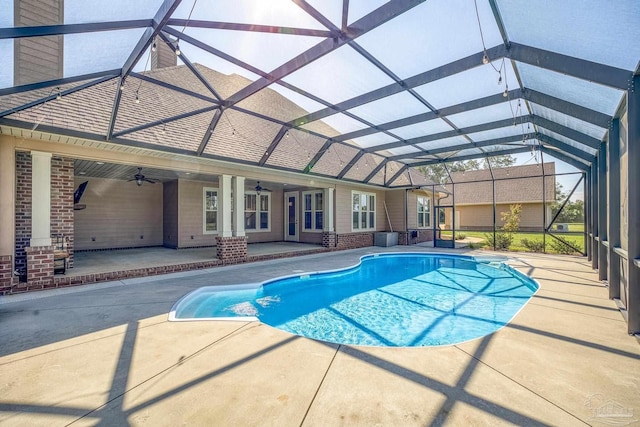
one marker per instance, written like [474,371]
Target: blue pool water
[387,300]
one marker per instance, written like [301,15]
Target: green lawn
[573,237]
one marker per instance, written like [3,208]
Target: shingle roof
[516,184]
[237,136]
[156,97]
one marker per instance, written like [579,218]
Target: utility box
[562,227]
[386,238]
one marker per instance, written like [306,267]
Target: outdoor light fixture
[59,95]
[177,49]
[485,59]
[506,92]
[154,47]
[137,98]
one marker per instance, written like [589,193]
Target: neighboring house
[473,196]
[190,202]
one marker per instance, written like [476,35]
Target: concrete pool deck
[105,354]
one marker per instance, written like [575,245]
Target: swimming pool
[408,299]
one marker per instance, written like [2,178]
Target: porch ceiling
[357,91]
[98,169]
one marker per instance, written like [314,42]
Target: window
[210,214]
[424,212]
[364,211]
[313,210]
[257,210]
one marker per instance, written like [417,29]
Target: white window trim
[428,225]
[204,210]
[313,211]
[260,230]
[372,227]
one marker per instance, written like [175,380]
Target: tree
[572,212]
[438,173]
[512,218]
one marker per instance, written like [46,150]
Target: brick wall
[23,208]
[231,249]
[354,240]
[405,237]
[62,188]
[329,239]
[39,266]
[6,274]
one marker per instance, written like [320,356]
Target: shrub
[461,236]
[503,240]
[533,245]
[560,247]
[504,237]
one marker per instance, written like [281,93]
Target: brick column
[39,266]
[22,210]
[231,250]
[329,239]
[62,187]
[6,275]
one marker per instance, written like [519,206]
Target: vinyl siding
[190,212]
[118,213]
[343,209]
[396,208]
[170,214]
[481,216]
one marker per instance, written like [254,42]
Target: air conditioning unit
[562,227]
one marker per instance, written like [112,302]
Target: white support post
[224,207]
[328,210]
[40,199]
[238,206]
[8,199]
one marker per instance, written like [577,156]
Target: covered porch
[100,266]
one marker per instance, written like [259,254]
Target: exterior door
[291,216]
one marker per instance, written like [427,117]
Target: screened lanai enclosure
[337,92]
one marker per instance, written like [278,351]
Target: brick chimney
[164,56]
[38,59]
